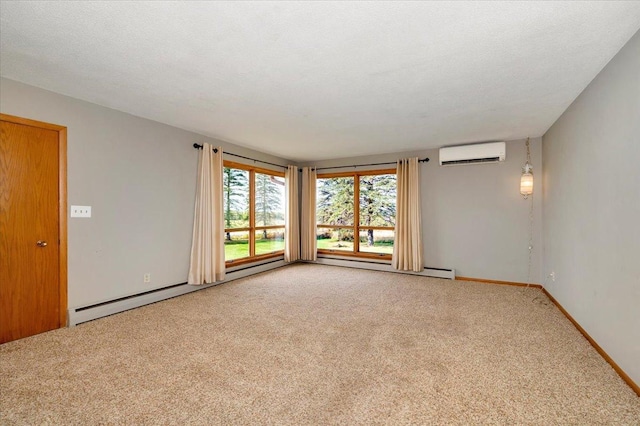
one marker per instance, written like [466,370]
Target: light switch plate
[80,211]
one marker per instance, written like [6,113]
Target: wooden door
[32,205]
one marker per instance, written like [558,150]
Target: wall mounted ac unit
[473,154]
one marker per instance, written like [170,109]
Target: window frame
[356,227]
[252,228]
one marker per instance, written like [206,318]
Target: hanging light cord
[537,298]
[527,168]
[530,247]
[530,250]
[541,300]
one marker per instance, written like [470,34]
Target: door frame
[62,204]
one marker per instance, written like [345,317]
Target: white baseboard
[78,315]
[376,265]
[82,314]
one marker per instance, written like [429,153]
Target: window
[253,213]
[356,213]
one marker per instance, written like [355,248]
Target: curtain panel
[407,249]
[291,221]
[207,245]
[308,216]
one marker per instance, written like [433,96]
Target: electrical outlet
[147,277]
[552,275]
[80,211]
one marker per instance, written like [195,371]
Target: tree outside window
[253,212]
[368,196]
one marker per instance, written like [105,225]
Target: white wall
[592,208]
[139,177]
[474,218]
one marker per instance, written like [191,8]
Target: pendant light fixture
[526,180]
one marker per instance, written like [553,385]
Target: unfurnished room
[319,213]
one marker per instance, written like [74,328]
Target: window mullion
[252,213]
[356,213]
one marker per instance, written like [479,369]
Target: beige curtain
[407,249]
[308,216]
[291,222]
[207,246]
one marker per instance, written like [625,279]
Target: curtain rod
[424,160]
[198,146]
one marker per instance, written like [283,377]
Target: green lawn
[240,248]
[329,244]
[237,249]
[378,246]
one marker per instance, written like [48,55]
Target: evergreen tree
[377,202]
[236,193]
[335,204]
[269,193]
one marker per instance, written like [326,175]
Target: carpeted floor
[312,344]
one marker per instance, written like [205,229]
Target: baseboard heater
[86,313]
[384,266]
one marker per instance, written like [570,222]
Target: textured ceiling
[320,80]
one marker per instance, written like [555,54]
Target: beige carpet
[312,344]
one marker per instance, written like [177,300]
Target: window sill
[246,260]
[362,255]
